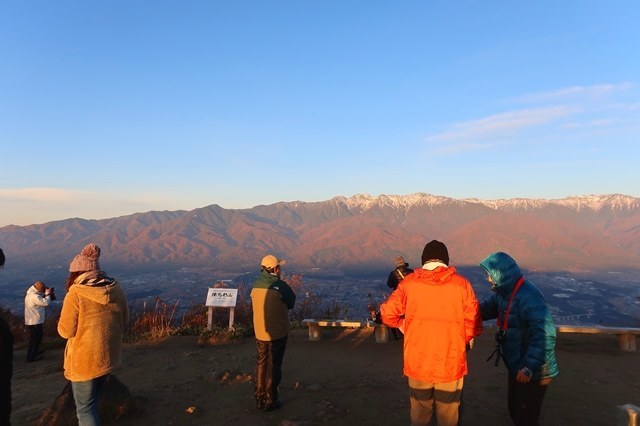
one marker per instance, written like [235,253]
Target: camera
[52,294]
[500,336]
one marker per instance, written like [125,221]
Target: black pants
[5,392]
[525,401]
[268,369]
[35,339]
[397,334]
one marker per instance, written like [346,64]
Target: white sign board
[222,297]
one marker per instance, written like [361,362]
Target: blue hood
[503,270]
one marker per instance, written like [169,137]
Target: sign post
[222,298]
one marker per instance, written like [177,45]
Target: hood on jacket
[503,270]
[96,286]
[34,290]
[439,275]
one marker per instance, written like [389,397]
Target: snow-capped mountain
[354,234]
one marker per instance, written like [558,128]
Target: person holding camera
[526,336]
[398,274]
[37,299]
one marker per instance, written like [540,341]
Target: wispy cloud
[503,123]
[42,194]
[24,206]
[602,122]
[585,107]
[45,204]
[462,147]
[70,196]
[575,93]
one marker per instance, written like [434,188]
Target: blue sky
[112,108]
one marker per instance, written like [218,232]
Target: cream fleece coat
[34,304]
[92,320]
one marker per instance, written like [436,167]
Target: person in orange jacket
[438,313]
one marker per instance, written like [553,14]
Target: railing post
[381,333]
[315,333]
[627,342]
[210,318]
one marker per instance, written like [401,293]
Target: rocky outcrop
[115,403]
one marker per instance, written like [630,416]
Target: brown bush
[21,333]
[160,319]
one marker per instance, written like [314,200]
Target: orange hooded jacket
[438,312]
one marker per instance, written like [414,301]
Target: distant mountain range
[348,235]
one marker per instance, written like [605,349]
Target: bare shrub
[20,332]
[16,325]
[194,321]
[154,323]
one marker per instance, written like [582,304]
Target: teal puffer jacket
[530,338]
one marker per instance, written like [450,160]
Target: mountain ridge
[352,235]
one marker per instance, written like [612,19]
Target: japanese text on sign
[223,297]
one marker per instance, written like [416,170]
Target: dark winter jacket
[271,299]
[531,335]
[6,371]
[398,275]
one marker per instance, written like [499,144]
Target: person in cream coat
[93,319]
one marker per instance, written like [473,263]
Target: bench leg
[627,342]
[628,414]
[382,334]
[315,333]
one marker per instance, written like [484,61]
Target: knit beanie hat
[435,250]
[87,260]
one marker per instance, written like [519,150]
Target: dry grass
[156,320]
[20,331]
[152,323]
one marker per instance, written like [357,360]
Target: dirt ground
[344,379]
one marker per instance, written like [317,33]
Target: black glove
[376,317]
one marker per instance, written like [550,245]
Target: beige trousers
[443,398]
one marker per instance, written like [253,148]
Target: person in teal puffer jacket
[526,336]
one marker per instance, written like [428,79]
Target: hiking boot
[272,406]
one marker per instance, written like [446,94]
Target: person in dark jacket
[6,372]
[526,336]
[6,365]
[271,299]
[398,274]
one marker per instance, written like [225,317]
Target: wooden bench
[626,335]
[315,328]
